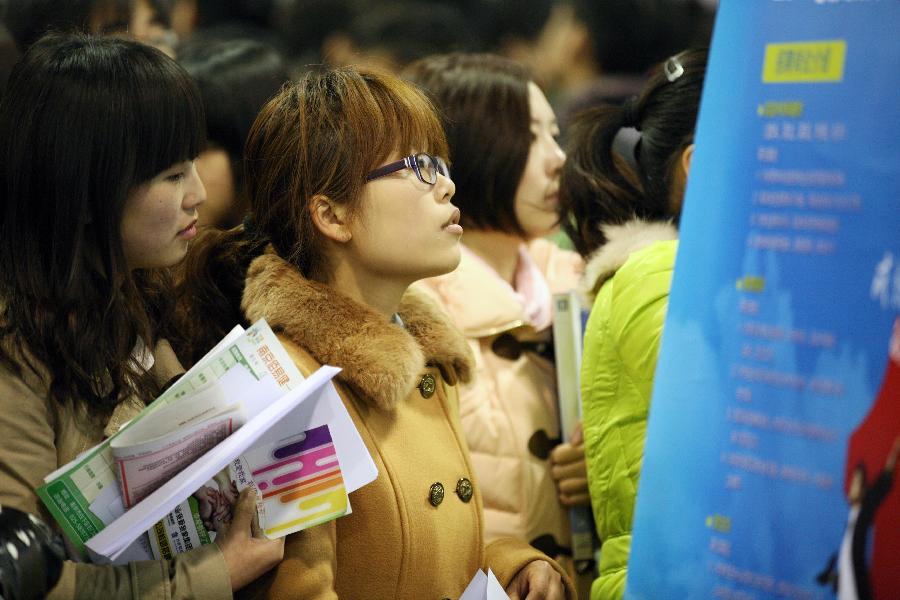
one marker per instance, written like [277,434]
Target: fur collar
[380,360]
[621,241]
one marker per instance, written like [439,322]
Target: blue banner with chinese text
[769,463]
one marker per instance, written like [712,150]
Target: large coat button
[464,489]
[427,385]
[436,493]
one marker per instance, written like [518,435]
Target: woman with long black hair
[98,195]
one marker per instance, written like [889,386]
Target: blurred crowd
[579,51]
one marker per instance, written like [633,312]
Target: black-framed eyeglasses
[425,166]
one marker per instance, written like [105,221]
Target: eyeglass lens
[429,167]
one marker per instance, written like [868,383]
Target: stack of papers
[243,416]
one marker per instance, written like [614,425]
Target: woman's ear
[680,178]
[330,218]
[686,156]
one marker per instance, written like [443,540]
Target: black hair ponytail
[621,159]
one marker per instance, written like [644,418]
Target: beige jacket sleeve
[27,445]
[28,453]
[197,574]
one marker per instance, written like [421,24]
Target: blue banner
[773,433]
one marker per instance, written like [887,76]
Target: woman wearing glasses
[506,164]
[621,196]
[350,200]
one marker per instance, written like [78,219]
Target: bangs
[404,121]
[169,119]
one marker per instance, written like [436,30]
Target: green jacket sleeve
[621,345]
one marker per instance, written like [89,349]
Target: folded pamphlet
[170,471]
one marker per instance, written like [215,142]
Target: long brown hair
[84,122]
[318,137]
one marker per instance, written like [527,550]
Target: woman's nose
[557,156]
[448,188]
[195,195]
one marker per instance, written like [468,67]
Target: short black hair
[255,12]
[483,101]
[304,25]
[28,20]
[410,29]
[630,36]
[236,78]
[501,22]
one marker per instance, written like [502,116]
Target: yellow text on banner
[805,62]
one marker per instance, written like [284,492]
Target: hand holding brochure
[84,495]
[117,536]
[173,455]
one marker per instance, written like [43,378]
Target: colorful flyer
[770,461]
[298,479]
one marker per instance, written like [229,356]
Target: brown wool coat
[510,402]
[395,545]
[37,436]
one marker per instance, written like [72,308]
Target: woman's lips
[188,232]
[452,225]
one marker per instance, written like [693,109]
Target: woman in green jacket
[621,194]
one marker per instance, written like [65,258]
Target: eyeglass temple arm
[388,169]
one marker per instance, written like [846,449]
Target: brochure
[175,456]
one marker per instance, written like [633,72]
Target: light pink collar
[531,289]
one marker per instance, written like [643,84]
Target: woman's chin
[444,266]
[453,260]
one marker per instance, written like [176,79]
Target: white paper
[495,591]
[234,334]
[113,539]
[484,587]
[170,439]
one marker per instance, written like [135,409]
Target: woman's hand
[569,471]
[247,553]
[537,580]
